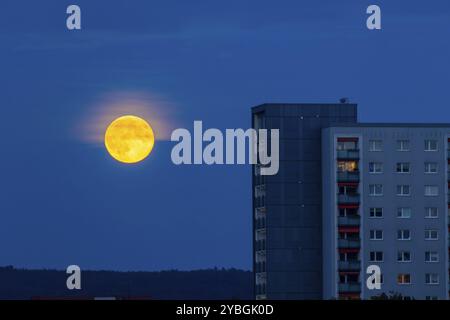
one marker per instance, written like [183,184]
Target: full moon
[129,139]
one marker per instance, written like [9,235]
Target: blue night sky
[64,200]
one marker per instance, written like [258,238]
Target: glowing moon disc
[129,139]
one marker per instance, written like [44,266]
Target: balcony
[349,220]
[260,267]
[349,243]
[348,198]
[260,223]
[259,202]
[348,176]
[354,287]
[348,154]
[260,245]
[353,265]
[259,180]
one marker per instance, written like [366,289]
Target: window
[348,278]
[431,278]
[375,190]
[375,167]
[431,145]
[431,191]
[348,256]
[431,256]
[344,166]
[402,145]
[431,234]
[376,234]
[404,256]
[404,278]
[402,167]
[375,145]
[431,213]
[348,190]
[404,213]
[376,256]
[376,213]
[403,190]
[431,167]
[403,234]
[348,212]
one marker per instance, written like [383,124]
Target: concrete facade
[407,185]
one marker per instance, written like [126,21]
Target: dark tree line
[172,284]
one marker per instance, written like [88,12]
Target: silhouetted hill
[173,284]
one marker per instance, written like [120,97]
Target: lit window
[431,213]
[375,190]
[431,234]
[404,213]
[404,256]
[431,256]
[431,145]
[403,234]
[404,278]
[344,166]
[431,278]
[376,234]
[403,190]
[402,167]
[431,191]
[402,145]
[376,213]
[431,167]
[375,167]
[375,145]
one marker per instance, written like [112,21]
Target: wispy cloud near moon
[158,111]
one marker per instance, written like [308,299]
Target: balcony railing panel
[350,287]
[348,198]
[350,265]
[349,221]
[348,176]
[348,154]
[347,243]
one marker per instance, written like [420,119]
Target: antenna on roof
[344,100]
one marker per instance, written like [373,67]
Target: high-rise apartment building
[385,203]
[287,207]
[349,195]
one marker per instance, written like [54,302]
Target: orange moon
[129,139]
